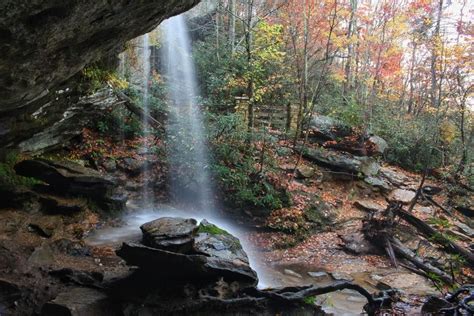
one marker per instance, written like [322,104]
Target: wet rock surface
[178,248]
[342,162]
[402,196]
[171,234]
[328,128]
[69,178]
[44,43]
[80,302]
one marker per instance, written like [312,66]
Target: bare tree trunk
[248,42]
[232,25]
[434,57]
[350,49]
[411,74]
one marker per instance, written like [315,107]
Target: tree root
[294,295]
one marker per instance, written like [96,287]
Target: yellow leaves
[447,132]
[338,75]
[116,82]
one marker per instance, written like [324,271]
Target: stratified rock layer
[43,43]
[67,177]
[214,254]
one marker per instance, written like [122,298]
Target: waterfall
[147,195]
[187,149]
[122,61]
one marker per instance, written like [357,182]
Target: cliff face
[45,42]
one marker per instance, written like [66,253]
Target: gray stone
[341,276]
[304,172]
[379,144]
[402,196]
[292,273]
[215,254]
[425,209]
[464,229]
[45,43]
[80,302]
[109,165]
[59,120]
[356,299]
[394,177]
[132,166]
[328,128]
[67,177]
[42,256]
[367,205]
[170,233]
[356,243]
[318,275]
[377,183]
[360,166]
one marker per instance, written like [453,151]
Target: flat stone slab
[367,205]
[402,196]
[394,177]
[170,233]
[465,229]
[341,276]
[292,273]
[214,253]
[318,275]
[377,183]
[79,302]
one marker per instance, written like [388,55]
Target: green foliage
[310,300]
[235,166]
[8,176]
[212,230]
[95,77]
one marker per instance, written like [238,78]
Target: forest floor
[318,256]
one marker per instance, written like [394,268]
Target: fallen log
[432,234]
[379,229]
[138,111]
[297,294]
[406,253]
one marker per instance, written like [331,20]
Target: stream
[271,275]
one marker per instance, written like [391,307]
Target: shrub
[235,168]
[8,176]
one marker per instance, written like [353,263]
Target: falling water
[187,150]
[122,61]
[145,64]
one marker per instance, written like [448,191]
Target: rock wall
[45,42]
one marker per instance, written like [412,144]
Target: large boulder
[464,203]
[43,43]
[70,178]
[80,302]
[360,166]
[57,120]
[170,233]
[377,144]
[327,128]
[215,253]
[402,196]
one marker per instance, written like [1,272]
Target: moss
[8,176]
[211,229]
[318,213]
[310,300]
